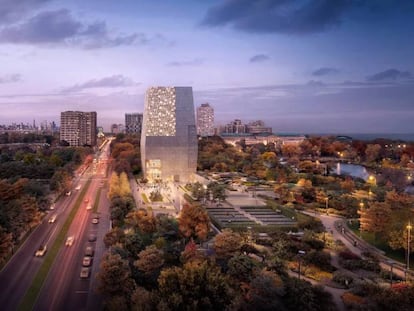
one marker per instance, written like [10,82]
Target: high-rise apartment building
[78,128]
[169,137]
[133,123]
[205,120]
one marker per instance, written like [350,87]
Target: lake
[353,170]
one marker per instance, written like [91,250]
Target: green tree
[114,277]
[150,259]
[195,286]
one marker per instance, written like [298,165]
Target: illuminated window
[161,111]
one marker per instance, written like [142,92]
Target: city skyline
[302,66]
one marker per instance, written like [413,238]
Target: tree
[227,243]
[195,286]
[197,191]
[218,192]
[194,222]
[6,244]
[375,218]
[150,259]
[115,235]
[142,220]
[242,267]
[372,152]
[114,277]
[398,239]
[114,189]
[348,185]
[143,300]
[265,293]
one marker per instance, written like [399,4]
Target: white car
[88,207]
[70,240]
[68,193]
[52,207]
[52,219]
[41,251]
[95,220]
[78,187]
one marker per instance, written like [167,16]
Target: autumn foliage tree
[193,222]
[227,243]
[375,218]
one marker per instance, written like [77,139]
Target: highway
[16,277]
[63,289]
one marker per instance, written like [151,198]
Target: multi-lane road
[63,288]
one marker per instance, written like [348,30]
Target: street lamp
[391,263]
[409,227]
[300,254]
[361,206]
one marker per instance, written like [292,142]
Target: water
[353,170]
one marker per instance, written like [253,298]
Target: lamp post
[300,254]
[361,206]
[409,227]
[391,263]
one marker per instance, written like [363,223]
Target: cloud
[259,58]
[10,78]
[13,10]
[59,27]
[283,16]
[193,62]
[390,75]
[299,17]
[107,82]
[324,71]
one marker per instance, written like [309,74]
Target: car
[88,207]
[52,219]
[95,220]
[78,187]
[92,238]
[70,240]
[84,274]
[87,261]
[68,193]
[86,200]
[52,207]
[89,251]
[41,251]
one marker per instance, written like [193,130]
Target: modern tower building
[133,123]
[205,120]
[169,137]
[78,128]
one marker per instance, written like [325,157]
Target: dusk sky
[303,66]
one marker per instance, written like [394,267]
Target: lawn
[398,255]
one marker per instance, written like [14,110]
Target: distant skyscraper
[133,123]
[169,137]
[78,128]
[205,120]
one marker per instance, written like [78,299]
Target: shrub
[348,255]
[343,278]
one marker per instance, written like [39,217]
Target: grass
[144,198]
[29,299]
[369,237]
[97,198]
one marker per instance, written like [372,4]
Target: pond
[353,170]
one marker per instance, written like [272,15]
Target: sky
[301,66]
